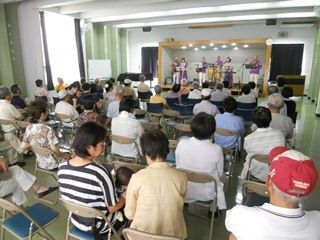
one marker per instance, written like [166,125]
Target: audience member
[292,176]
[40,91]
[150,209]
[128,90]
[274,89]
[89,114]
[231,122]
[253,92]
[287,93]
[16,181]
[218,95]
[83,181]
[126,125]
[174,92]
[158,98]
[99,88]
[205,85]
[64,107]
[184,88]
[123,176]
[86,87]
[113,108]
[74,96]
[142,87]
[246,97]
[205,105]
[109,94]
[261,142]
[60,85]
[41,135]
[16,100]
[199,154]
[195,93]
[225,89]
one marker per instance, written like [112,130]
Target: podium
[294,81]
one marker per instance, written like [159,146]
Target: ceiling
[155,13]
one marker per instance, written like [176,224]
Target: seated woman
[199,154]
[41,135]
[184,88]
[89,114]
[155,195]
[174,92]
[83,181]
[261,141]
[14,180]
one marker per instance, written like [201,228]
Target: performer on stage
[203,71]
[228,71]
[184,66]
[217,71]
[175,70]
[254,72]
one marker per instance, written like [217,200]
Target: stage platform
[234,91]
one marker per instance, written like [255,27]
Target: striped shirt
[89,185]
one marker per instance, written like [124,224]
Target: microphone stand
[242,68]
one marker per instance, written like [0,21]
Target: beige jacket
[155,198]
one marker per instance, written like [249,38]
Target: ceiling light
[183,47]
[211,44]
[196,49]
[216,48]
[224,46]
[233,44]
[236,48]
[203,47]
[190,45]
[246,46]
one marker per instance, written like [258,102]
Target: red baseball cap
[292,172]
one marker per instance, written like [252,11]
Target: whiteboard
[99,68]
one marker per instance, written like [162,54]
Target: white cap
[127,81]
[62,94]
[206,92]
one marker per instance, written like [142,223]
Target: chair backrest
[172,101]
[184,98]
[225,132]
[87,212]
[198,177]
[121,139]
[244,110]
[45,152]
[134,167]
[55,100]
[170,113]
[183,127]
[194,101]
[259,158]
[184,110]
[134,234]
[154,107]
[144,96]
[22,124]
[219,105]
[149,126]
[6,122]
[138,111]
[250,187]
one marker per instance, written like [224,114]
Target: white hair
[276,101]
[284,196]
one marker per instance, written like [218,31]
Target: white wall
[137,39]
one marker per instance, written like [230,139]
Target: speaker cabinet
[271,22]
[146,29]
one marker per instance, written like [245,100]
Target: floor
[307,141]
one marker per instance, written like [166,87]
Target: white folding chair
[134,234]
[124,140]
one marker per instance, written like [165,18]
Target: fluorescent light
[224,46]
[203,47]
[216,48]
[246,46]
[190,45]
[196,49]
[211,44]
[233,44]
[183,47]
[236,48]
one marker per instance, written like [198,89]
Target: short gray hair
[275,101]
[219,86]
[4,91]
[272,89]
[96,81]
[195,85]
[284,196]
[157,88]
[142,77]
[118,90]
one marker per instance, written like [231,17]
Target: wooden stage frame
[206,42]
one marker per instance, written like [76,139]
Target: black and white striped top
[89,185]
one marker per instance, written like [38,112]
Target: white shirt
[283,110]
[195,94]
[218,96]
[8,112]
[67,109]
[142,87]
[254,93]
[271,222]
[226,92]
[126,125]
[262,141]
[205,106]
[202,156]
[246,98]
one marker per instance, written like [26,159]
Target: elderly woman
[83,181]
[155,195]
[174,92]
[199,154]
[41,135]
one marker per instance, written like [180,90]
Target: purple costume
[204,67]
[184,72]
[258,65]
[218,63]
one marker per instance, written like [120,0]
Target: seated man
[225,90]
[155,195]
[16,100]
[142,87]
[126,125]
[261,142]
[64,107]
[113,108]
[128,90]
[279,121]
[218,95]
[246,97]
[274,89]
[292,176]
[205,105]
[195,93]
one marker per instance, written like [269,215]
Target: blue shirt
[230,122]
